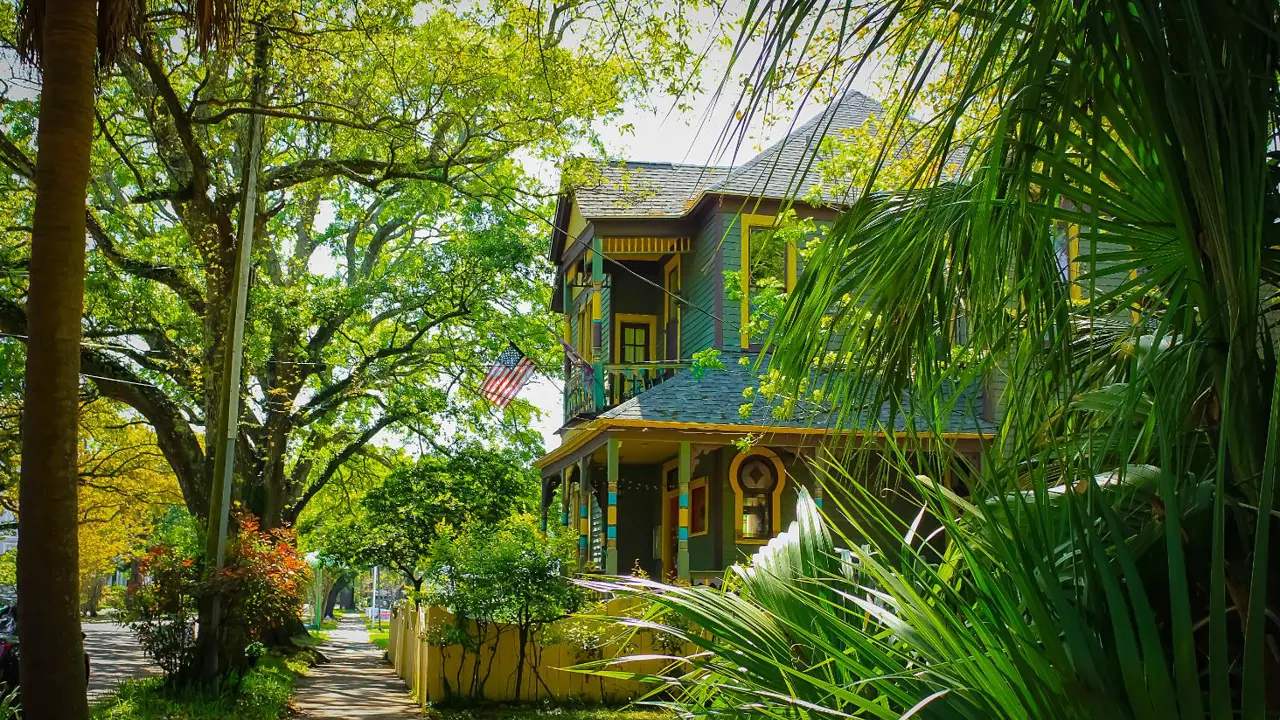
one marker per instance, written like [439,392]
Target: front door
[671,313]
[670,520]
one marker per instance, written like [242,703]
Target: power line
[616,261]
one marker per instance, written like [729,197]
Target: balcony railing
[621,382]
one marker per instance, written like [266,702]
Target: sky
[693,136]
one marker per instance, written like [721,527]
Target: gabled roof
[788,169]
[716,396]
[646,190]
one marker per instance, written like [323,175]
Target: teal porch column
[611,514]
[682,536]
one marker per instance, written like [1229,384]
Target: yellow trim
[788,283]
[650,320]
[632,246]
[586,432]
[706,526]
[776,515]
[668,301]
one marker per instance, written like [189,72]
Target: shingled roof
[651,190]
[787,169]
[716,396]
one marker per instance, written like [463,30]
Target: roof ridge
[828,112]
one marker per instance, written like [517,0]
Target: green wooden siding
[697,270]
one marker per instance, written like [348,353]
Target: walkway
[356,683]
[114,655]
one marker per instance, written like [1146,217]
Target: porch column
[584,516]
[597,290]
[682,536]
[543,503]
[564,497]
[817,494]
[611,513]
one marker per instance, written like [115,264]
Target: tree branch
[164,275]
[337,461]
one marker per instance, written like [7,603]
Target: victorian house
[650,470]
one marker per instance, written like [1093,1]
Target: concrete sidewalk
[356,683]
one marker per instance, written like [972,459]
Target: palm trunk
[53,679]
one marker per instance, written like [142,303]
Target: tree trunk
[334,592]
[52,667]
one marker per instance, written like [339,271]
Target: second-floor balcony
[584,396]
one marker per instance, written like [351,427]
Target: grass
[499,712]
[377,637]
[263,695]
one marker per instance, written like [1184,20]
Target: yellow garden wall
[432,672]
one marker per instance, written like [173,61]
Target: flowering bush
[262,587]
[164,608]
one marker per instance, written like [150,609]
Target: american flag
[507,376]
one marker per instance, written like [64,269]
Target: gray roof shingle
[715,398]
[649,190]
[787,169]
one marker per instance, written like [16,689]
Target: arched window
[757,478]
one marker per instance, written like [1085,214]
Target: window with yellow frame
[758,478]
[763,258]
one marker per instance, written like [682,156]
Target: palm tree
[66,38]
[1125,514]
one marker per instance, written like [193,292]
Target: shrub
[164,609]
[262,586]
[114,597]
[510,573]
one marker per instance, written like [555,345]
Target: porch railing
[621,383]
[627,381]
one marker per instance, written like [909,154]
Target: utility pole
[229,403]
[377,616]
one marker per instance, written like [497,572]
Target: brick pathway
[356,683]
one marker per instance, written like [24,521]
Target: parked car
[9,647]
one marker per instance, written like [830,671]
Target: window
[698,507]
[635,343]
[767,256]
[767,261]
[757,478]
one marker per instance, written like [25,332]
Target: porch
[684,501]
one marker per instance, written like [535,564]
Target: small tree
[529,574]
[507,572]
[397,520]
